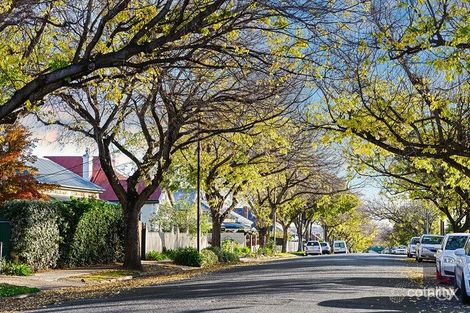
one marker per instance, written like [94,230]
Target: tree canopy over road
[272,90]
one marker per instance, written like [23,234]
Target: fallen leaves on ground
[155,274]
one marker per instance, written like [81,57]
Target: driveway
[336,283]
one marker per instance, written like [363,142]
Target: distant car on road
[411,252]
[385,251]
[325,248]
[462,272]
[399,250]
[427,247]
[445,257]
[313,247]
[339,246]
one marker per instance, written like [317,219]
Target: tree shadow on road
[402,304]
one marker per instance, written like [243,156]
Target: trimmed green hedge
[98,236]
[71,233]
[35,232]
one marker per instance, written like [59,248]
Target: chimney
[245,211]
[87,165]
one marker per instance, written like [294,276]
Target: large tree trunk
[284,238]
[301,237]
[216,230]
[262,236]
[132,257]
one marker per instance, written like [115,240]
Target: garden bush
[17,269]
[209,258]
[268,250]
[155,256]
[170,254]
[70,214]
[188,257]
[35,232]
[98,236]
[224,256]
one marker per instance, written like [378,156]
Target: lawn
[7,290]
[106,275]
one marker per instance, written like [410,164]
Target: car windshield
[414,240]
[431,240]
[324,244]
[456,242]
[339,244]
[312,243]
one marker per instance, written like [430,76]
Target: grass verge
[7,290]
[105,275]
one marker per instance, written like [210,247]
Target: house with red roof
[90,169]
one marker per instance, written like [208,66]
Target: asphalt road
[337,283]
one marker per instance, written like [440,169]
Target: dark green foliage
[35,232]
[98,236]
[188,257]
[170,254]
[70,213]
[75,232]
[209,258]
[155,256]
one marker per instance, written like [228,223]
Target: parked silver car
[427,247]
[411,251]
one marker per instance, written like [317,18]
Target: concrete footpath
[50,279]
[59,278]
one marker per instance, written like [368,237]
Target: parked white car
[411,251]
[399,250]
[445,257]
[427,247]
[325,248]
[462,272]
[313,247]
[339,246]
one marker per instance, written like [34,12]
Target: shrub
[170,254]
[209,258]
[3,262]
[155,256]
[246,250]
[224,256]
[188,257]
[98,237]
[17,269]
[70,214]
[35,232]
[229,257]
[217,252]
[227,245]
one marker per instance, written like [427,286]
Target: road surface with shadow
[330,283]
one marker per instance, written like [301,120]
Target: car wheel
[408,255]
[419,259]
[464,296]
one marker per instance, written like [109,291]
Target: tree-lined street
[336,283]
